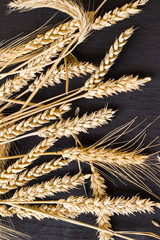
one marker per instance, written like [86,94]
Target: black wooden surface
[140,56]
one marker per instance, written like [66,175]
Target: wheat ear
[99,191]
[49,188]
[33,122]
[59,129]
[104,155]
[123,84]
[97,184]
[109,60]
[35,172]
[74,69]
[103,221]
[69,127]
[108,206]
[118,14]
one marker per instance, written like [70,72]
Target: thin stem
[18,138]
[100,6]
[149,234]
[22,155]
[67,77]
[9,100]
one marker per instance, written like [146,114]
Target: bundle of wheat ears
[42,61]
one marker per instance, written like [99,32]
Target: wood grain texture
[140,56]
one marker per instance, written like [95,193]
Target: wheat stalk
[33,122]
[109,60]
[123,84]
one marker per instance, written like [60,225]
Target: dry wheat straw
[123,84]
[74,69]
[59,129]
[109,59]
[33,122]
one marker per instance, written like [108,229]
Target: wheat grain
[109,60]
[123,84]
[74,69]
[35,65]
[99,191]
[33,122]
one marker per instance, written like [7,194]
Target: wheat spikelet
[109,60]
[74,69]
[123,84]
[49,188]
[33,122]
[69,127]
[118,14]
[4,149]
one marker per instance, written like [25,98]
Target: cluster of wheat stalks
[53,50]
